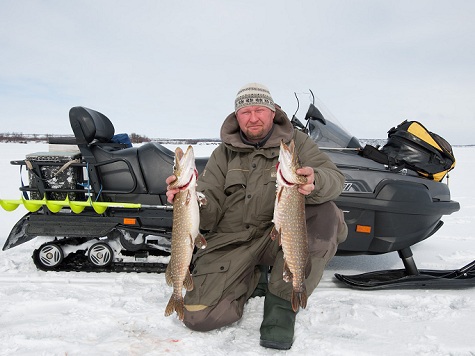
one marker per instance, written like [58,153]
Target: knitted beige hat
[253,94]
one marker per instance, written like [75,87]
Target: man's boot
[261,289]
[277,328]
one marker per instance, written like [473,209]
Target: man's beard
[255,135]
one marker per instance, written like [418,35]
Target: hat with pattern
[253,94]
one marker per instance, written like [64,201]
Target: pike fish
[185,232]
[289,223]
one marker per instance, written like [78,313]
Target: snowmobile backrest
[89,125]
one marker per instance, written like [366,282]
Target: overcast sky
[172,68]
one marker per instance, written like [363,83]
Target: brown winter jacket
[239,182]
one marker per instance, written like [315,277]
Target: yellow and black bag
[410,145]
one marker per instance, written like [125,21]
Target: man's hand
[171,192]
[307,188]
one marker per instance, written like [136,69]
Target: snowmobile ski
[400,278]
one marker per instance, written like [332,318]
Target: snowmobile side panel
[399,214]
[66,225]
[70,225]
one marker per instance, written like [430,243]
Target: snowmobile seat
[135,170]
[157,164]
[119,169]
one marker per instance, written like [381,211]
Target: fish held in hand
[185,232]
[289,223]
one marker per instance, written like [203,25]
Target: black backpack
[410,145]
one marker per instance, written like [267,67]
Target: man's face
[255,121]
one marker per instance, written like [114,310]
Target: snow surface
[60,313]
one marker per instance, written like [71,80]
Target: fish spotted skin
[185,232]
[289,223]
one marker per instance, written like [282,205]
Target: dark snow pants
[225,278]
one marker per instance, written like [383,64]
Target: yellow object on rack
[55,206]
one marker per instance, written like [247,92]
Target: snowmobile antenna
[295,121]
[298,103]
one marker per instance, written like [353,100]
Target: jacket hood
[283,129]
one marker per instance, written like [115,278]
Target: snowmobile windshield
[327,132]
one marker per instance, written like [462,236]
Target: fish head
[184,168]
[288,165]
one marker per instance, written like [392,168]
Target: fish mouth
[290,184]
[194,175]
[184,168]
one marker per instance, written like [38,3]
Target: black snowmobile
[101,205]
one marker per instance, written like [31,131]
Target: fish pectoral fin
[200,241]
[188,282]
[279,193]
[274,234]
[201,198]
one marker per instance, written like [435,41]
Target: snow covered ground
[51,313]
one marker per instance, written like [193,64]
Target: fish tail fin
[299,298]
[177,304]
